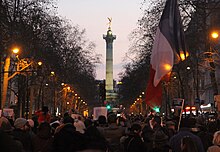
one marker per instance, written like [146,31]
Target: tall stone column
[109,38]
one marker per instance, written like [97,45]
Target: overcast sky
[92,16]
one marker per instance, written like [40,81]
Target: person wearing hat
[5,125]
[21,133]
[8,143]
[171,128]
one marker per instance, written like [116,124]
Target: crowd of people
[133,133]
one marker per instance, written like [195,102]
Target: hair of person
[68,119]
[102,119]
[136,128]
[157,119]
[44,125]
[188,145]
[45,109]
[112,118]
[216,138]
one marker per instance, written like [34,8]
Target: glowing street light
[188,67]
[39,63]
[15,50]
[52,73]
[183,56]
[214,35]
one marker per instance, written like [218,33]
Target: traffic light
[108,107]
[156,109]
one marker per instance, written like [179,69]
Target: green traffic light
[156,109]
[108,107]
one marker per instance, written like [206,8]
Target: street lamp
[39,63]
[52,73]
[183,56]
[15,50]
[188,67]
[214,35]
[5,78]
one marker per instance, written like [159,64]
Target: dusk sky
[92,16]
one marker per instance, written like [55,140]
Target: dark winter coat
[9,144]
[68,140]
[175,141]
[24,137]
[42,142]
[134,143]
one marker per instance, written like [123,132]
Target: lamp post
[5,77]
[54,92]
[214,36]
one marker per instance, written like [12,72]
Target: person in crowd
[66,138]
[42,142]
[121,121]
[31,128]
[54,126]
[101,124]
[95,140]
[5,125]
[205,136]
[21,133]
[36,124]
[43,115]
[88,122]
[8,144]
[134,141]
[188,145]
[185,130]
[80,126]
[113,133]
[216,143]
[159,138]
[7,141]
[147,133]
[171,128]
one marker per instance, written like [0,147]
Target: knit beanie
[20,122]
[5,124]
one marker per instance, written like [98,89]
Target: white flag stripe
[162,55]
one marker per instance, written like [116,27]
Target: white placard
[177,101]
[8,112]
[98,111]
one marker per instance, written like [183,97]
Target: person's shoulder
[213,148]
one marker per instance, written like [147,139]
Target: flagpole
[181,115]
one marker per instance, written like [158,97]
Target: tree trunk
[5,81]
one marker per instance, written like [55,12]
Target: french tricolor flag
[168,45]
